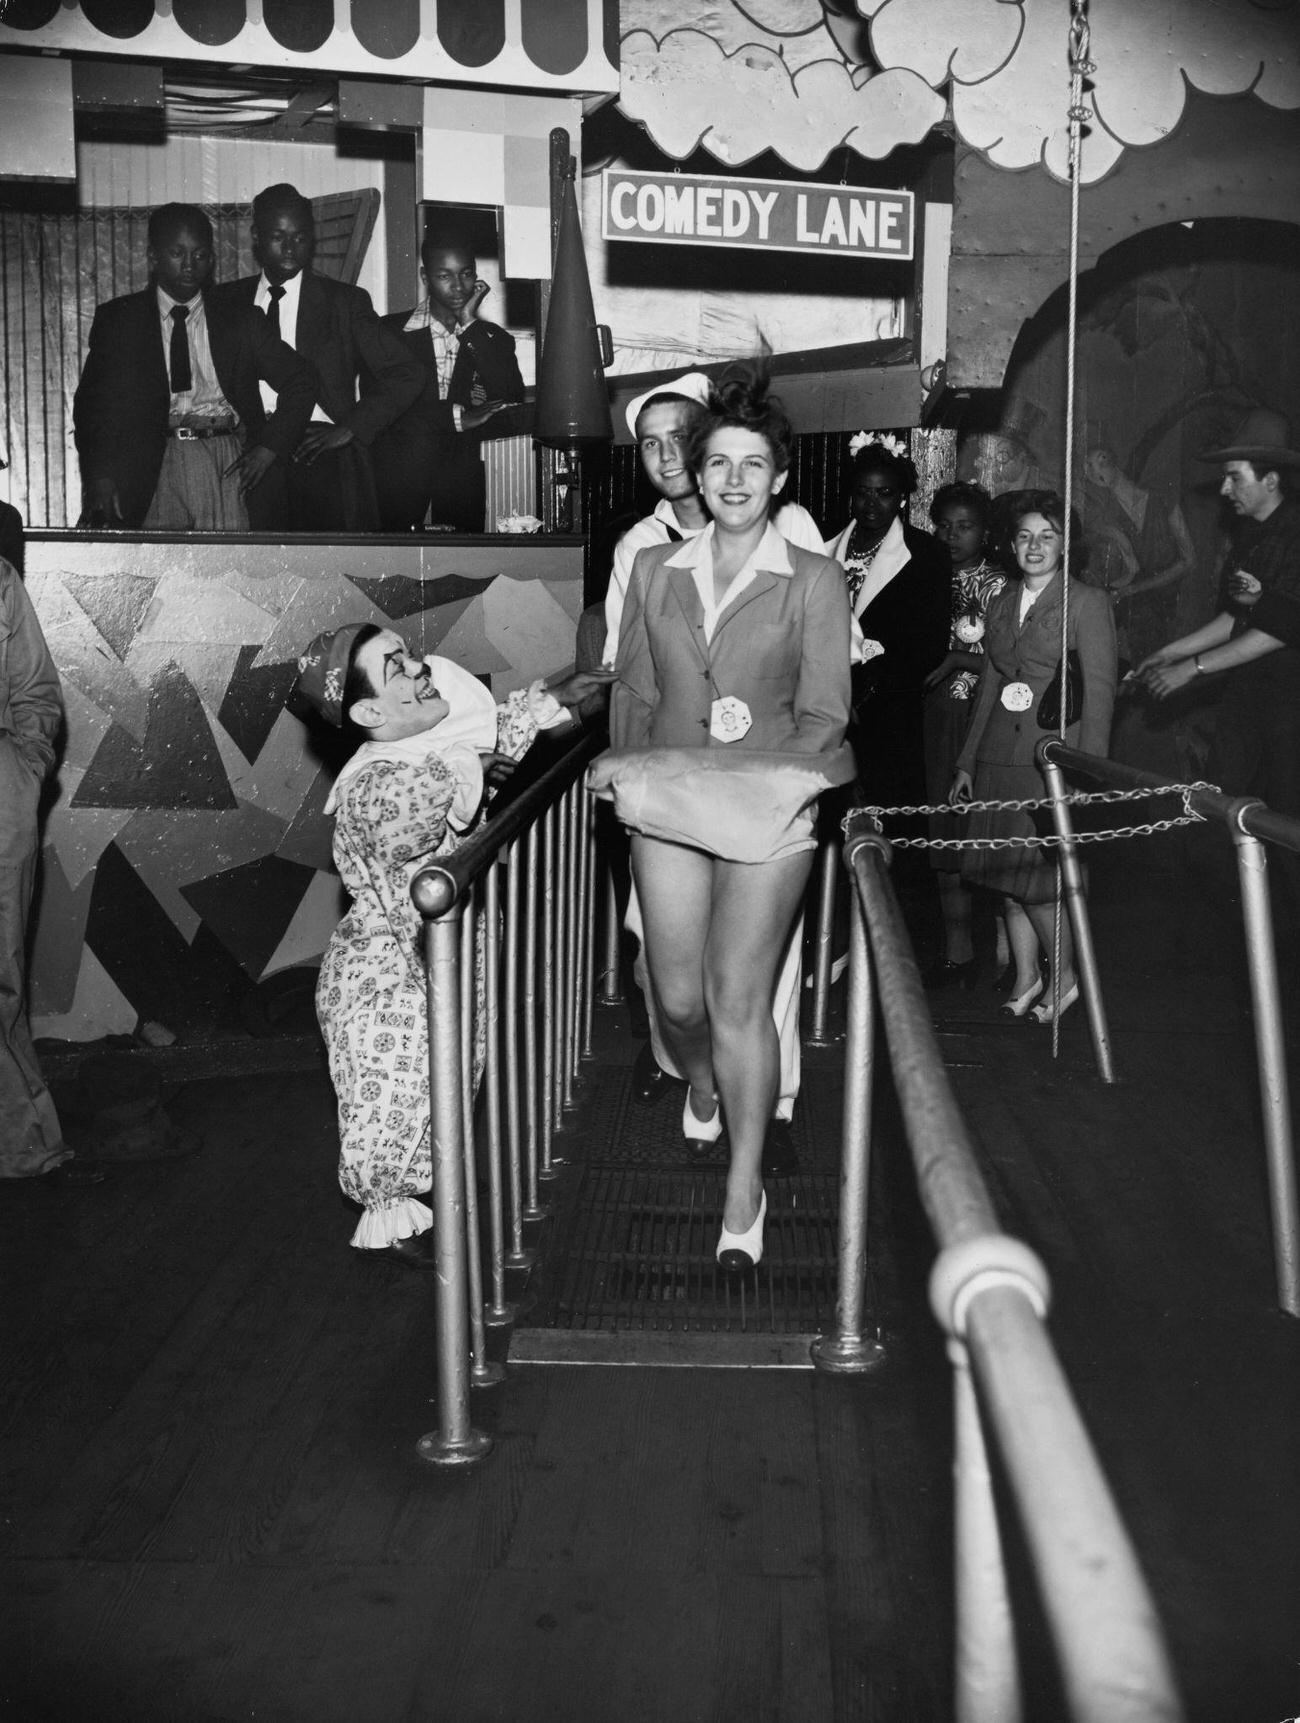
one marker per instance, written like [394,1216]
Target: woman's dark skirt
[1026,873]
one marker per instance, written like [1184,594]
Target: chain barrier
[1075,798]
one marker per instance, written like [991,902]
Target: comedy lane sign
[756,214]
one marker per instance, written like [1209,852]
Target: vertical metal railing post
[1085,954]
[483,1374]
[546,1101]
[507,1171]
[523,1166]
[848,1350]
[986,1677]
[499,1312]
[588,977]
[1270,1051]
[455,1442]
[611,990]
[823,954]
[569,1026]
[532,901]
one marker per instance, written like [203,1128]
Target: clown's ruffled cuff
[379,1227]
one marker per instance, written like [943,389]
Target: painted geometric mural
[186,847]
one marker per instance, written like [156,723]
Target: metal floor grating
[631,1246]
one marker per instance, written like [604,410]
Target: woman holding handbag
[1016,705]
[728,716]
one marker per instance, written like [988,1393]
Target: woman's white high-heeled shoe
[1019,1006]
[738,1251]
[700,1134]
[1043,1013]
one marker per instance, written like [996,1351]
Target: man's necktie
[273,309]
[182,378]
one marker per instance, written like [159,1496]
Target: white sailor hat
[693,384]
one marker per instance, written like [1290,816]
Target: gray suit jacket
[782,647]
[1032,654]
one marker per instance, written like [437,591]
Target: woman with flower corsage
[727,720]
[1022,662]
[960,513]
[900,583]
[424,731]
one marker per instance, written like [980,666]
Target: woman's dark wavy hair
[964,495]
[876,458]
[1051,505]
[742,397]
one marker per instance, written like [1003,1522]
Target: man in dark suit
[329,486]
[170,426]
[429,461]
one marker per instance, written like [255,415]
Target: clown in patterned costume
[408,793]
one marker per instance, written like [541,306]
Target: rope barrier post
[848,1351]
[1270,1050]
[1084,952]
[827,874]
[455,1442]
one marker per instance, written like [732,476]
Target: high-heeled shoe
[700,1134]
[1019,1006]
[739,1251]
[1043,1013]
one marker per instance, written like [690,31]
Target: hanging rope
[1080,68]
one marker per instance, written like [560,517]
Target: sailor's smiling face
[404,700]
[663,431]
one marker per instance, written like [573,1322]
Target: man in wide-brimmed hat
[1255,638]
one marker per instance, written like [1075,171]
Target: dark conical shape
[572,400]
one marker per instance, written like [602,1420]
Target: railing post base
[521,1259]
[846,1354]
[504,1317]
[537,1212]
[487,1375]
[469,1451]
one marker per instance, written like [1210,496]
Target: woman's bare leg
[754,906]
[1043,918]
[955,905]
[1023,938]
[675,887]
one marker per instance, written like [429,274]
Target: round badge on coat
[1017,696]
[730,719]
[969,628]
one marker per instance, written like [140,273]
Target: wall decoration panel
[448,41]
[186,852]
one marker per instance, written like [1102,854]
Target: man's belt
[191,434]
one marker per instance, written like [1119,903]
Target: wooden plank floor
[212,1508]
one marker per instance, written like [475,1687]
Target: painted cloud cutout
[750,78]
[688,92]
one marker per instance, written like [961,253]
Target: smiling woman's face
[1037,544]
[738,478]
[404,701]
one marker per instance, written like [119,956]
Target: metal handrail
[1250,823]
[526,961]
[990,1293]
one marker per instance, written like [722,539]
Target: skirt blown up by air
[739,806]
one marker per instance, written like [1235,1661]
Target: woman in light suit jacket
[733,644]
[1022,659]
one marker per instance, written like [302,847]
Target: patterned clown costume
[393,816]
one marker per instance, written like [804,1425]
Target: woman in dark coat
[900,587]
[1022,657]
